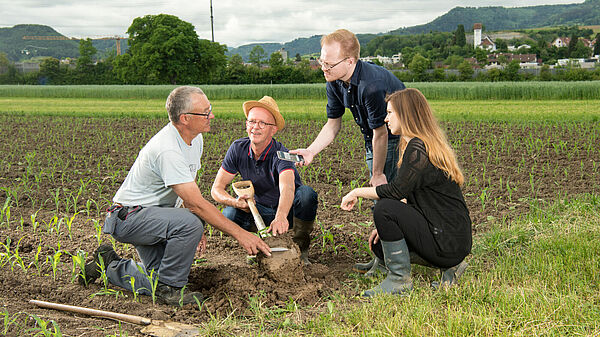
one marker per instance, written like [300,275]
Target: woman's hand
[348,201]
[373,239]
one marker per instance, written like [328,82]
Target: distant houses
[395,60]
[480,41]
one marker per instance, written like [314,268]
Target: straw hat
[268,103]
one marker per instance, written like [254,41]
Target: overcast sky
[243,21]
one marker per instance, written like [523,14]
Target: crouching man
[281,198]
[145,212]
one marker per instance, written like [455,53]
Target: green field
[482,110]
[531,166]
[437,90]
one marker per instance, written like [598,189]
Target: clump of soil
[285,266]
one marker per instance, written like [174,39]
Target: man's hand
[279,226]
[306,154]
[378,179]
[201,249]
[373,238]
[252,243]
[242,203]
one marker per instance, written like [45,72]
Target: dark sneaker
[169,295]
[92,270]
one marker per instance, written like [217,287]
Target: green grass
[538,276]
[439,90]
[481,110]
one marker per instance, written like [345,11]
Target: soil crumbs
[58,184]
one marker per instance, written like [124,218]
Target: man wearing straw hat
[145,211]
[281,198]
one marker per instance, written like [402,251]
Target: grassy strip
[488,110]
[538,276]
[434,90]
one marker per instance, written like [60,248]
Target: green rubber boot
[397,261]
[301,237]
[450,276]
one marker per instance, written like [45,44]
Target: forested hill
[493,18]
[16,49]
[501,18]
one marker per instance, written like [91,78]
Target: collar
[356,74]
[179,137]
[263,155]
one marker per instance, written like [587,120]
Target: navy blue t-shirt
[365,97]
[264,172]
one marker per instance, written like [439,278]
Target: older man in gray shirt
[145,212]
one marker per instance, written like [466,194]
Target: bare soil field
[58,175]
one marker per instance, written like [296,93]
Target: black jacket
[435,196]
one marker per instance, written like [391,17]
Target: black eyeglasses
[206,114]
[261,124]
[327,66]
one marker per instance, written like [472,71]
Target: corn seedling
[36,260]
[133,290]
[5,257]
[44,328]
[79,262]
[69,223]
[98,231]
[5,213]
[17,259]
[34,222]
[8,320]
[54,260]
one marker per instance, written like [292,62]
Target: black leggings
[396,220]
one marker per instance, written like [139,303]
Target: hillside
[16,49]
[493,18]
[501,18]
[302,46]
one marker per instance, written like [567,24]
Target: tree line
[162,50]
[166,50]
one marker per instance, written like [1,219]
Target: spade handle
[245,188]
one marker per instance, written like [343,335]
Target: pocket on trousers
[110,223]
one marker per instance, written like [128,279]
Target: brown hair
[417,120]
[349,45]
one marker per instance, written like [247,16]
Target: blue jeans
[391,160]
[304,208]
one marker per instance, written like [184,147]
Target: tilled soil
[53,167]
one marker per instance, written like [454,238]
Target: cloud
[240,22]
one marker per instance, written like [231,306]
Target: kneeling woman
[421,214]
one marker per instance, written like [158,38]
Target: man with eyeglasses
[361,87]
[146,211]
[281,198]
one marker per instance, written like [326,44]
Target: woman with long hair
[421,215]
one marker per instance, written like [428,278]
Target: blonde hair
[417,120]
[349,44]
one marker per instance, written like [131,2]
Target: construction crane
[60,37]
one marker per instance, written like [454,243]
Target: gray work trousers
[165,239]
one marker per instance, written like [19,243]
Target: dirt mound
[232,280]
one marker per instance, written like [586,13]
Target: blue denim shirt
[364,96]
